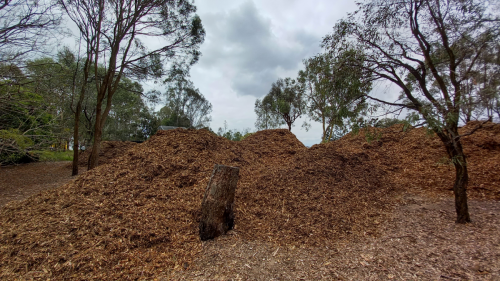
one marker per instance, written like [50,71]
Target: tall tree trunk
[106,90]
[94,156]
[324,128]
[461,181]
[78,111]
[455,152]
[330,130]
[75,137]
[100,120]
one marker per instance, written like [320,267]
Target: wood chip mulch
[137,216]
[417,159]
[419,241]
[109,150]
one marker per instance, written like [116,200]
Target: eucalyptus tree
[124,121]
[485,80]
[52,79]
[26,27]
[266,118]
[43,85]
[185,105]
[335,91]
[115,32]
[26,121]
[282,105]
[197,108]
[479,84]
[400,39]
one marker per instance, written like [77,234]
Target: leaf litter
[137,216]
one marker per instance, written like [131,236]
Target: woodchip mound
[137,215]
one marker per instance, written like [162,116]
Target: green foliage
[22,109]
[13,147]
[372,134]
[246,135]
[26,117]
[52,81]
[233,135]
[128,111]
[282,105]
[17,157]
[185,105]
[335,91]
[16,138]
[40,104]
[387,122]
[54,156]
[266,119]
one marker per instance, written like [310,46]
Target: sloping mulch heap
[138,215]
[417,160]
[109,150]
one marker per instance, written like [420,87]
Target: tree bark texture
[78,111]
[457,155]
[76,149]
[217,214]
[94,156]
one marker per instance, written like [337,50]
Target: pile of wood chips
[137,216]
[109,150]
[417,160]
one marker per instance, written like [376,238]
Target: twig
[390,103]
[274,254]
[471,132]
[397,237]
[448,277]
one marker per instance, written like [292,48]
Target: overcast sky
[250,44]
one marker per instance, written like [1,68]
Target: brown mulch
[417,159]
[108,151]
[136,217]
[419,241]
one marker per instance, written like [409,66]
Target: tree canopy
[114,32]
[26,26]
[282,105]
[335,91]
[185,105]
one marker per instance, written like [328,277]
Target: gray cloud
[242,45]
[250,44]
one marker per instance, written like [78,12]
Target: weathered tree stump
[217,216]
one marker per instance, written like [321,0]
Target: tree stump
[217,216]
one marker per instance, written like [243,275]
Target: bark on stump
[217,216]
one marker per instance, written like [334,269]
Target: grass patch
[53,156]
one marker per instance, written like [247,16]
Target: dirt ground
[419,241]
[18,182]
